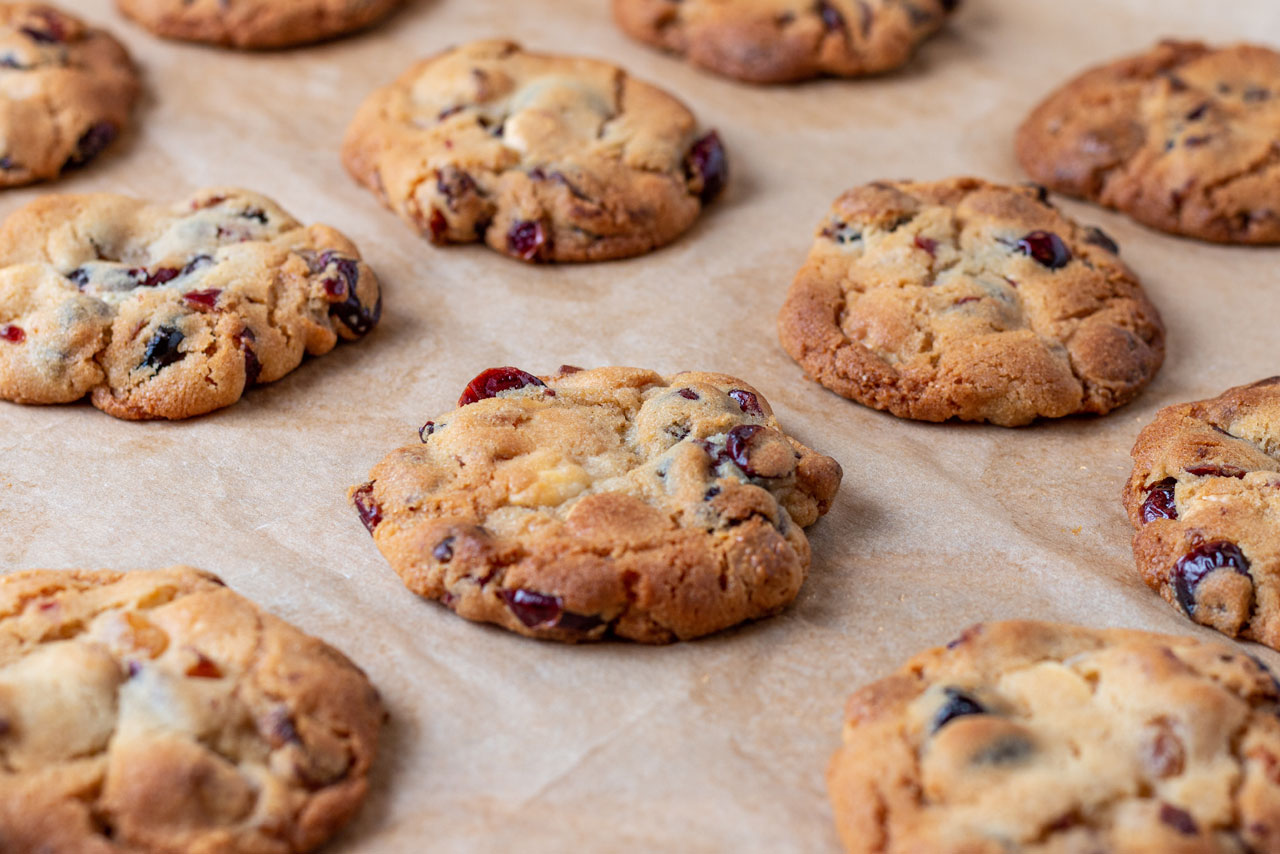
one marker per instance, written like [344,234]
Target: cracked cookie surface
[169,312]
[544,158]
[604,503]
[66,90]
[969,300]
[255,23]
[1184,138]
[152,712]
[780,41]
[1204,500]
[1053,739]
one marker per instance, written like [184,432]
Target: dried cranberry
[12,334]
[738,445]
[1198,113]
[426,430]
[204,668]
[252,367]
[1202,561]
[439,226]
[144,278]
[927,244]
[831,17]
[1098,237]
[335,289]
[747,401]
[494,381]
[90,144]
[532,609]
[688,394]
[1179,819]
[958,704]
[579,622]
[162,350]
[443,551]
[207,298]
[1217,471]
[52,35]
[569,369]
[707,162]
[1046,248]
[370,512]
[350,312]
[527,240]
[1159,503]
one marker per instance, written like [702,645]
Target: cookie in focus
[605,503]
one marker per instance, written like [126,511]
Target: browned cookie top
[964,299]
[777,41]
[154,712]
[611,502]
[545,158]
[169,311]
[255,23]
[1205,500]
[66,90]
[1185,138]
[1048,739]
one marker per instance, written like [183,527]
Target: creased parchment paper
[497,743]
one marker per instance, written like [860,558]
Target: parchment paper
[498,743]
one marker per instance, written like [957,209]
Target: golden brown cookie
[544,158]
[1037,738]
[779,41]
[1182,138]
[1204,499]
[169,311]
[66,90]
[969,300]
[154,712]
[606,503]
[255,23]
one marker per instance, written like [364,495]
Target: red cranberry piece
[207,298]
[569,369]
[426,430]
[1046,248]
[350,312]
[688,394]
[1179,819]
[12,334]
[1200,562]
[439,226]
[252,367]
[370,512]
[162,350]
[578,622]
[927,244]
[738,446]
[958,704]
[492,382]
[532,609]
[747,401]
[335,289]
[1217,471]
[527,240]
[707,161]
[52,33]
[1159,503]
[90,144]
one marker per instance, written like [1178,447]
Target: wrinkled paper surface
[498,743]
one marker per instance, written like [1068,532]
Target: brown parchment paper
[498,743]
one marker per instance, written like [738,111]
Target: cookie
[1204,500]
[1051,739]
[1181,138]
[969,300]
[604,503]
[782,41]
[255,23]
[68,92]
[169,312]
[544,158]
[152,712]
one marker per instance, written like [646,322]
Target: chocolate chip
[958,704]
[443,551]
[162,350]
